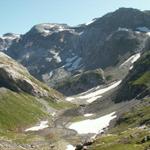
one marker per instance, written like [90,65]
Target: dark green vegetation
[131,131]
[82,82]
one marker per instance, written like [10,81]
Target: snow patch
[93,125]
[148,33]
[56,56]
[50,74]
[88,115]
[131,68]
[53,28]
[69,99]
[100,91]
[123,29]
[48,59]
[53,114]
[92,99]
[70,147]
[132,59]
[41,126]
[135,58]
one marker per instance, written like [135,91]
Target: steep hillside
[16,77]
[137,82]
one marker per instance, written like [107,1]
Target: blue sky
[18,16]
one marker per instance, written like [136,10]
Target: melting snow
[53,114]
[100,91]
[48,59]
[42,125]
[92,99]
[123,29]
[132,59]
[148,33]
[88,115]
[69,98]
[131,68]
[56,56]
[93,125]
[50,74]
[94,93]
[70,147]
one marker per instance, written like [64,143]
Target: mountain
[54,52]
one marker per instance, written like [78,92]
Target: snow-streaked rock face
[50,28]
[7,40]
[56,56]
[41,126]
[93,125]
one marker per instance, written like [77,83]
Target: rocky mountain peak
[10,36]
[49,28]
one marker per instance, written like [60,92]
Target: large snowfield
[93,125]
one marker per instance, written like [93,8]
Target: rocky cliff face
[16,78]
[54,52]
[81,82]
[7,40]
[137,83]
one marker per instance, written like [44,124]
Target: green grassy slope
[18,110]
